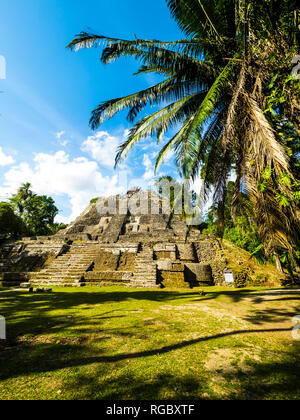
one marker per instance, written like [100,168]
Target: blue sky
[49,92]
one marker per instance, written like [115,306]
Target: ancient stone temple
[140,246]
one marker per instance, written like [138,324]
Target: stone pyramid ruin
[124,240]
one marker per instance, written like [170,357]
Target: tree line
[28,214]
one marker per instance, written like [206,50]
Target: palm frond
[89,39]
[204,112]
[115,48]
[209,140]
[193,16]
[231,123]
[176,139]
[159,121]
[265,150]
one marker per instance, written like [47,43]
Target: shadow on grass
[260,317]
[32,314]
[237,295]
[107,380]
[50,357]
[267,381]
[137,387]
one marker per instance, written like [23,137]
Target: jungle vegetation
[229,96]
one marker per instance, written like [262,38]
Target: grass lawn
[117,343]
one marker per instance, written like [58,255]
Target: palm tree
[229,95]
[19,199]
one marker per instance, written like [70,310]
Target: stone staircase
[145,272]
[4,265]
[108,278]
[194,235]
[112,233]
[68,269]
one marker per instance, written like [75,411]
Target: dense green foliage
[229,95]
[10,223]
[94,200]
[241,231]
[39,213]
[28,214]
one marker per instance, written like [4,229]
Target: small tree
[18,200]
[11,225]
[37,212]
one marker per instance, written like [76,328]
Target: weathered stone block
[172,279]
[164,265]
[25,285]
[199,273]
[178,267]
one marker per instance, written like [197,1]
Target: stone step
[81,252]
[146,262]
[144,280]
[53,281]
[68,267]
[74,260]
[9,283]
[70,264]
[143,285]
[62,276]
[107,282]
[140,265]
[145,273]
[81,270]
[145,267]
[51,284]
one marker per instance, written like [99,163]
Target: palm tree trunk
[278,263]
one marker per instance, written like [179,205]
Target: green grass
[117,343]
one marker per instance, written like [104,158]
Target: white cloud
[64,143]
[102,147]
[5,160]
[57,174]
[153,150]
[149,170]
[59,134]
